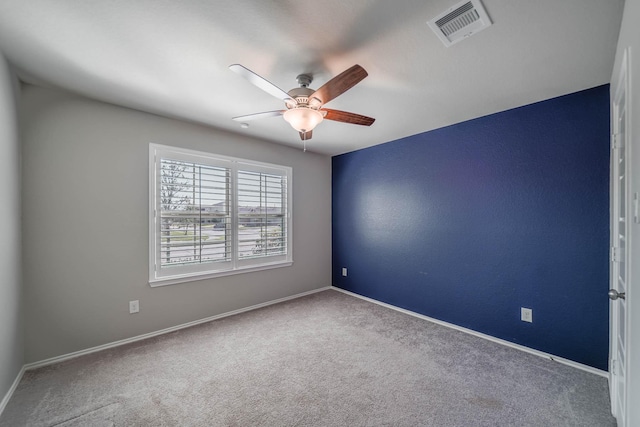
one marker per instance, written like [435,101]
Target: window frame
[159,276]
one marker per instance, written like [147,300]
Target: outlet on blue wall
[469,223]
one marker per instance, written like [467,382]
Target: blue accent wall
[470,222]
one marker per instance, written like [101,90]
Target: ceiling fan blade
[255,116]
[261,82]
[346,117]
[340,84]
[305,136]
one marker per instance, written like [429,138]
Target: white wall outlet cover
[344,271]
[526,314]
[134,306]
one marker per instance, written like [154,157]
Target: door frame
[621,87]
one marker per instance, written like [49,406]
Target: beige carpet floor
[328,359]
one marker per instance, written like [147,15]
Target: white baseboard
[75,354]
[5,399]
[485,336]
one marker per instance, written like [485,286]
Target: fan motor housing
[301,95]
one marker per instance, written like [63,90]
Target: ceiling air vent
[460,21]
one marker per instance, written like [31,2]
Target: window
[213,215]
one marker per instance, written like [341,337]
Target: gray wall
[11,341]
[85,224]
[630,37]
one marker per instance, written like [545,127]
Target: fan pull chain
[304,144]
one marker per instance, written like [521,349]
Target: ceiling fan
[304,105]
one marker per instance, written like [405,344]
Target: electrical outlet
[134,306]
[526,314]
[344,271]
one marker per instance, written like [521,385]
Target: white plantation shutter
[262,209]
[214,215]
[193,196]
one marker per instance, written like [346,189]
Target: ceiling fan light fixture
[303,119]
[304,105]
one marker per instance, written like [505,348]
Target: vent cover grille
[460,21]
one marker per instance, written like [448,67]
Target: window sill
[173,280]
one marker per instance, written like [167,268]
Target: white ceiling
[171,57]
